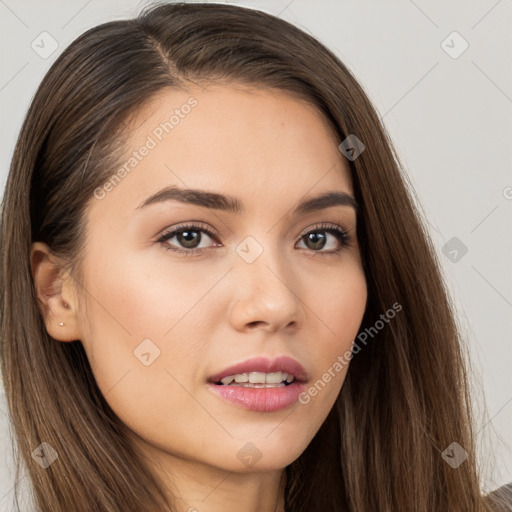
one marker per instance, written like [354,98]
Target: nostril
[255,323]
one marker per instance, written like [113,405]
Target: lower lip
[260,399]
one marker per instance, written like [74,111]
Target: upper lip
[266,365]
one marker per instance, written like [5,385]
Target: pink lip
[262,364]
[262,399]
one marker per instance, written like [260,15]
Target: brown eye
[318,239]
[188,239]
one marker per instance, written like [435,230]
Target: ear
[55,294]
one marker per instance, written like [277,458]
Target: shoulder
[501,498]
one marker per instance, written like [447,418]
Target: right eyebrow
[196,197]
[233,204]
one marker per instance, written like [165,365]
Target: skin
[290,301]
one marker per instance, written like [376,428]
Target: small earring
[61,324]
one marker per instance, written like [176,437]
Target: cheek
[341,308]
[340,311]
[146,297]
[146,324]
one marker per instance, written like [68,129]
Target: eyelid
[323,226]
[187,225]
[343,235]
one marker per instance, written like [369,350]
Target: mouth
[261,384]
[258,380]
[261,371]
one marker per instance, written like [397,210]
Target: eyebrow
[233,204]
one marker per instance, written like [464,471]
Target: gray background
[450,117]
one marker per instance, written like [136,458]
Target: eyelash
[342,235]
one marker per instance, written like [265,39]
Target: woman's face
[169,314]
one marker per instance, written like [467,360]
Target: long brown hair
[406,396]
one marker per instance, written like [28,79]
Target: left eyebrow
[233,204]
[337,198]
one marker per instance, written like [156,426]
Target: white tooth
[289,378]
[257,385]
[241,377]
[257,378]
[285,375]
[227,380]
[274,378]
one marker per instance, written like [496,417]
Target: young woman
[217,294]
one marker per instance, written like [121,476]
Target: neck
[197,487]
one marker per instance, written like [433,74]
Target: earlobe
[54,292]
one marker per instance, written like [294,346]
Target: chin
[261,453]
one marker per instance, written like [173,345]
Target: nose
[265,295]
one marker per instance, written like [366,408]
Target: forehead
[251,142]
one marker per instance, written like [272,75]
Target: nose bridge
[265,293]
[261,259]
